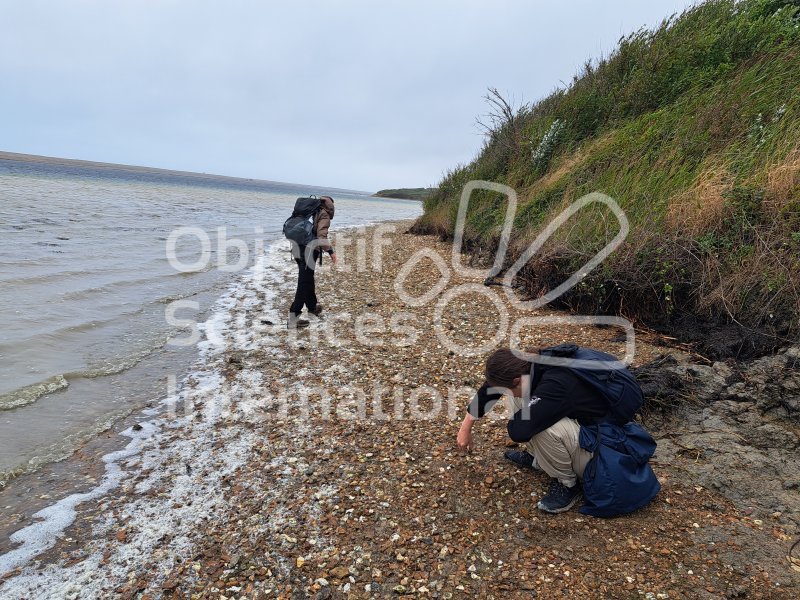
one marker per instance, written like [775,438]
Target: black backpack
[299,228]
[615,383]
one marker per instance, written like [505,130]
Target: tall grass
[694,128]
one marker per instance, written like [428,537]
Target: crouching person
[574,410]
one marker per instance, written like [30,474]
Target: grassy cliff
[694,129]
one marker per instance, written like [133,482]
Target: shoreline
[39,536]
[255,501]
[69,467]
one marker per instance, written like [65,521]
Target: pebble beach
[321,463]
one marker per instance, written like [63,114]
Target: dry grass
[569,163]
[434,222]
[783,182]
[565,166]
[702,205]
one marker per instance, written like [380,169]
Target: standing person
[306,295]
[577,426]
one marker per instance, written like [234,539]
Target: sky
[351,94]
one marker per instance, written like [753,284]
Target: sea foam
[163,446]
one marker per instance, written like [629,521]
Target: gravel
[295,503]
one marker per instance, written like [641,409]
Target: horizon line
[79,162]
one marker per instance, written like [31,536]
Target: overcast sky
[353,94]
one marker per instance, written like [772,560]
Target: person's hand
[333,258]
[464,439]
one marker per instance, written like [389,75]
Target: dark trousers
[305,294]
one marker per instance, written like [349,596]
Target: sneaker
[296,322]
[317,310]
[523,459]
[560,498]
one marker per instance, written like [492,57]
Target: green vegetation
[694,129]
[407,193]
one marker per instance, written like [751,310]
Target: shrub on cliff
[693,129]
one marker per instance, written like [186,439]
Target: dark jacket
[560,393]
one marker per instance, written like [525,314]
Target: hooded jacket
[322,223]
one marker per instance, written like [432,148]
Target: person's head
[505,369]
[327,203]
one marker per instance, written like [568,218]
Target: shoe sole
[559,510]
[534,467]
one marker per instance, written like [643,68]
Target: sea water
[85,283]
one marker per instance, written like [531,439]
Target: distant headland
[406,193]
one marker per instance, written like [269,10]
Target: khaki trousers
[558,451]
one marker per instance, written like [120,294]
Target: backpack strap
[538,369]
[599,379]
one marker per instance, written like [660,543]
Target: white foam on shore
[182,460]
[41,536]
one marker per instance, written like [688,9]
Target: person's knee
[558,439]
[557,432]
[566,430]
[546,443]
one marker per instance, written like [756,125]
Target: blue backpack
[618,480]
[612,379]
